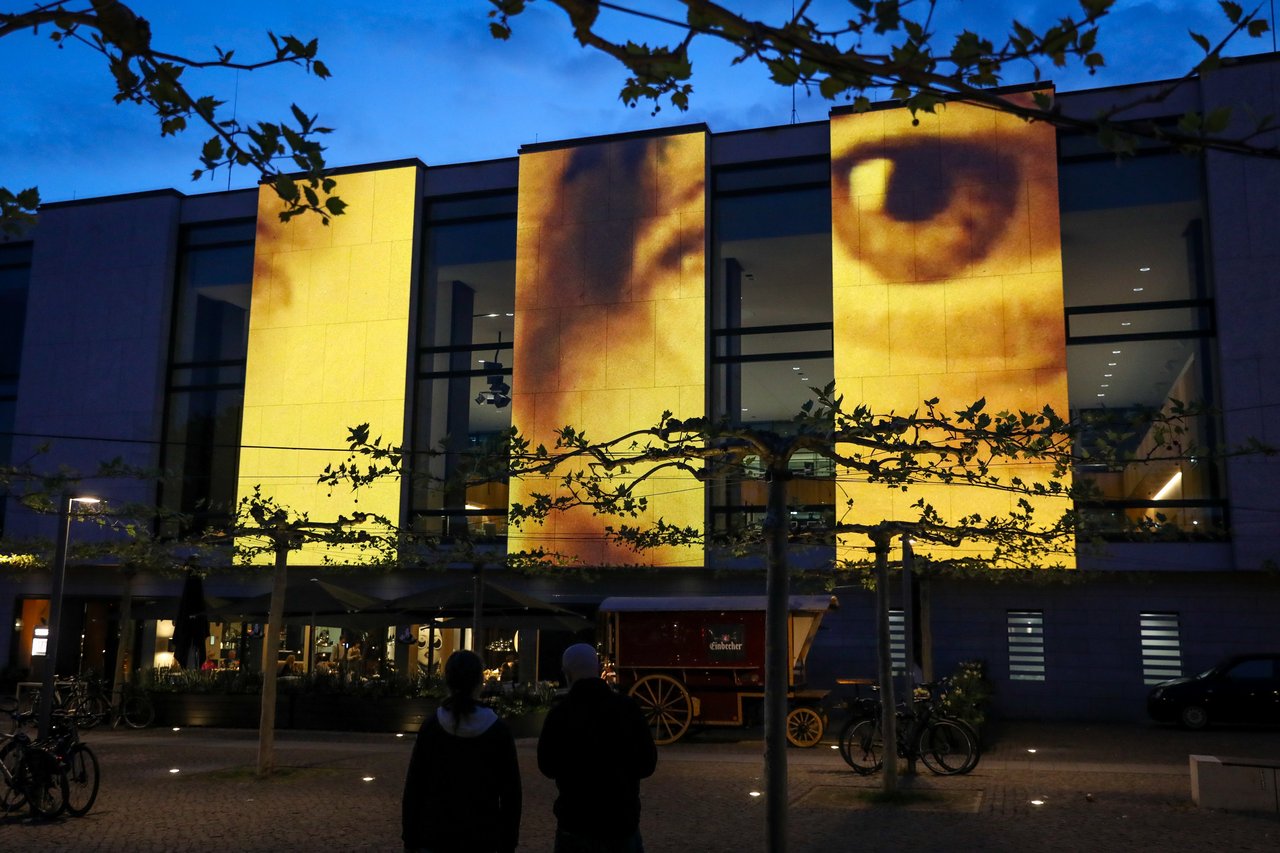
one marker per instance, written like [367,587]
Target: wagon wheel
[804,727]
[666,706]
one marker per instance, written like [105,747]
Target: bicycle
[136,709]
[87,700]
[945,745]
[77,762]
[32,776]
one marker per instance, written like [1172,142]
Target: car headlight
[1157,693]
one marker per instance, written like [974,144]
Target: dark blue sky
[426,80]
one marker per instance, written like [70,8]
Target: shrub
[968,694]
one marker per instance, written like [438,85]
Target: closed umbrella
[191,625]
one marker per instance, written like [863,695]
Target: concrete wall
[1093,659]
[1243,207]
[96,342]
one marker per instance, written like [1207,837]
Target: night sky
[426,80]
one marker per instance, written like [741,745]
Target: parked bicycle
[31,775]
[52,775]
[88,701]
[77,762]
[947,746]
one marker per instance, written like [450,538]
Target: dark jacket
[597,747]
[462,793]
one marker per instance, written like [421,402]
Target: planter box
[359,714]
[233,711]
[321,712]
[527,725]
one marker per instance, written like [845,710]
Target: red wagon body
[700,660]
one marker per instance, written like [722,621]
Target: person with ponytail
[462,793]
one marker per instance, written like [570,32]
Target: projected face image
[609,307]
[947,278]
[947,260]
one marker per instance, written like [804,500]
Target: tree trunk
[271,657]
[908,640]
[777,668]
[888,719]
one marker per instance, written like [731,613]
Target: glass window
[15,276]
[1161,647]
[1139,332]
[772,317]
[1258,669]
[466,326]
[1026,645]
[206,374]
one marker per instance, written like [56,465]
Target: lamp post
[55,607]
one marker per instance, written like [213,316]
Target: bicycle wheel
[862,746]
[88,711]
[43,782]
[12,795]
[947,748]
[136,710]
[81,767]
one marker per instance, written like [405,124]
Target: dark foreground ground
[1136,778]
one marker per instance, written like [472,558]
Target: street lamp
[55,606]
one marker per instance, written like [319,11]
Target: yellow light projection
[610,316]
[947,271]
[328,341]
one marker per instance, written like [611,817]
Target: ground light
[753,793]
[1032,751]
[1037,802]
[173,770]
[366,778]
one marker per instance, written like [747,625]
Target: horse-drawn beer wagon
[699,660]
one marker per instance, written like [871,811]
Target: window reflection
[1140,325]
[466,331]
[206,370]
[773,313]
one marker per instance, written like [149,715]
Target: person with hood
[597,747]
[462,792]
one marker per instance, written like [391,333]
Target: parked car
[1241,689]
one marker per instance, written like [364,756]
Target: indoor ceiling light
[1168,487]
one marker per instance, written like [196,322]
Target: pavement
[1100,788]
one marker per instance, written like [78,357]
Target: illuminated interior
[947,282]
[611,315]
[1139,323]
[327,333]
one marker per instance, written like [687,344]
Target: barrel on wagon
[699,660]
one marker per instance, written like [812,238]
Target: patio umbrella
[191,625]
[457,599]
[308,598]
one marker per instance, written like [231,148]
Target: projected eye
[924,209]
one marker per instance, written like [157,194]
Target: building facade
[600,282]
